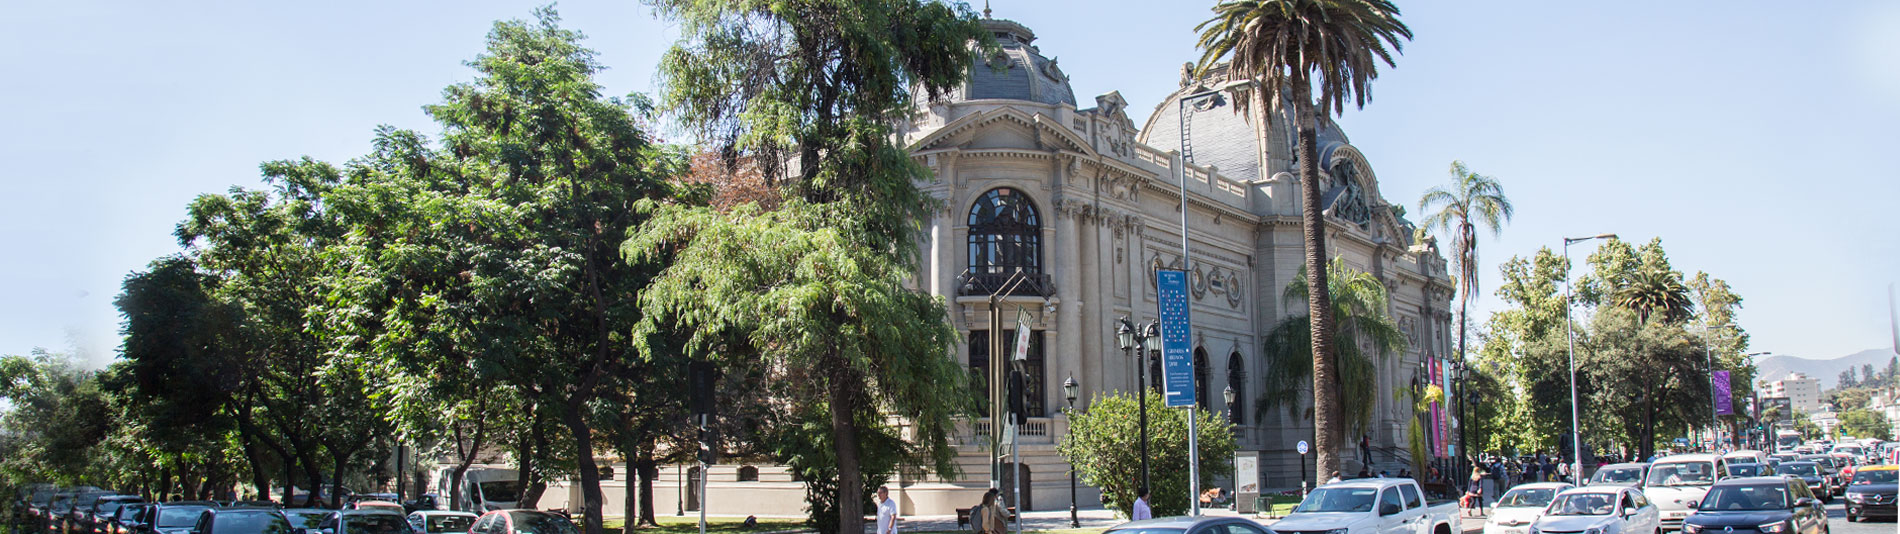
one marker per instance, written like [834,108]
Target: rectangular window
[1032,369]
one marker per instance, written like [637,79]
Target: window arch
[1237,379]
[1200,379]
[748,473]
[1005,234]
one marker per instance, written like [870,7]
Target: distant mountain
[1827,371]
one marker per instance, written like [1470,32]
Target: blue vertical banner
[1177,367]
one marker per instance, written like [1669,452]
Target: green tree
[1864,423]
[1288,47]
[1641,379]
[816,286]
[1469,197]
[1357,302]
[1655,292]
[1098,446]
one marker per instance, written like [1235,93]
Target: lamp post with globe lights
[1069,391]
[1143,341]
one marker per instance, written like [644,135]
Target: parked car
[79,517]
[364,522]
[305,518]
[1769,505]
[1363,506]
[1872,492]
[539,522]
[98,519]
[1629,474]
[125,519]
[1676,481]
[1600,510]
[39,507]
[174,517]
[426,501]
[440,521]
[1811,474]
[1518,508]
[1178,524]
[29,496]
[249,520]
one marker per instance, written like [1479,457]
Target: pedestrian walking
[1142,511]
[994,516]
[886,512]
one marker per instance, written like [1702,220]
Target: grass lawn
[729,525]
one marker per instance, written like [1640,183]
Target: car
[1362,506]
[247,520]
[1831,466]
[79,516]
[1745,470]
[1746,457]
[371,521]
[1174,525]
[1872,492]
[1768,505]
[305,518]
[125,519]
[540,522]
[1676,481]
[174,517]
[1812,474]
[98,520]
[1784,456]
[1629,474]
[440,521]
[1600,510]
[39,507]
[29,496]
[1518,508]
[378,505]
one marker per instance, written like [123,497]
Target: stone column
[1068,249]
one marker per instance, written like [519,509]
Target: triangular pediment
[1044,131]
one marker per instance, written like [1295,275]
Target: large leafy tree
[1291,48]
[816,287]
[1642,379]
[1357,302]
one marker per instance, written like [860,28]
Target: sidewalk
[1096,519]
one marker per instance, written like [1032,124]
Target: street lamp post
[1227,397]
[1570,337]
[1140,340]
[1069,390]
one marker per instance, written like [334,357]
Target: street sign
[1301,447]
[1177,367]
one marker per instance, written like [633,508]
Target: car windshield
[1867,478]
[1338,500]
[258,522]
[306,519]
[448,523]
[128,511]
[1682,474]
[179,516]
[1743,498]
[374,524]
[542,524]
[1525,497]
[1625,475]
[499,491]
[1583,504]
[1744,470]
[1800,469]
[1150,530]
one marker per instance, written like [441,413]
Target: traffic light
[701,379]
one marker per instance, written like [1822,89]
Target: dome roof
[1221,137]
[1017,71]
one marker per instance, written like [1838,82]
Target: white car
[1599,510]
[1518,508]
[1677,482]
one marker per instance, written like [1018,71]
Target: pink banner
[1437,429]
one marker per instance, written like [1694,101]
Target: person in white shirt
[1141,508]
[886,512]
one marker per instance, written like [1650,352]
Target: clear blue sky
[1756,138]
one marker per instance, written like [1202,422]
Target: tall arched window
[1237,379]
[1005,235]
[1200,379]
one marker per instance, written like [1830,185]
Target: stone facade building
[1088,205]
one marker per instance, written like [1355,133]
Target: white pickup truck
[1370,506]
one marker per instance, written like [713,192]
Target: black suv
[1872,492]
[1811,473]
[242,521]
[173,517]
[97,519]
[1770,505]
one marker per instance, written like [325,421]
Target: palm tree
[1655,292]
[1291,45]
[1470,200]
[1357,302]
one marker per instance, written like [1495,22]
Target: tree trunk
[649,470]
[336,478]
[584,461]
[1326,402]
[844,440]
[524,460]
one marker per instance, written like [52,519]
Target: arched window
[1005,235]
[1200,379]
[1237,379]
[748,473]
